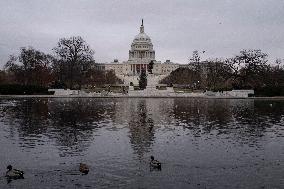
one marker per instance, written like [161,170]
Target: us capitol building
[140,55]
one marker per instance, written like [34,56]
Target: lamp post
[198,84]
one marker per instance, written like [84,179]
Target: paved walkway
[127,96]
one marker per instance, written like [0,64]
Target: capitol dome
[142,47]
[142,37]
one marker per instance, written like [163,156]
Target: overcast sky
[221,28]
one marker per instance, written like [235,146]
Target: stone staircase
[151,79]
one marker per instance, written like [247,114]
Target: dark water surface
[202,143]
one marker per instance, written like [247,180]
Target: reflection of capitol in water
[158,110]
[73,122]
[142,117]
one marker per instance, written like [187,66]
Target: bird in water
[155,163]
[84,168]
[14,173]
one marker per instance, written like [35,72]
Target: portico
[136,68]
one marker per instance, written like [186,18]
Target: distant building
[141,53]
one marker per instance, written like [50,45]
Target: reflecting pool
[201,143]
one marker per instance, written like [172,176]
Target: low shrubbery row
[16,89]
[269,91]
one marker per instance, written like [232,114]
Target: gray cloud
[220,27]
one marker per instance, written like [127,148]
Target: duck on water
[83,168]
[155,163]
[14,173]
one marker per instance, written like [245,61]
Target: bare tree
[31,67]
[217,74]
[195,57]
[248,68]
[73,54]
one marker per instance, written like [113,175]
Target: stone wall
[233,93]
[64,92]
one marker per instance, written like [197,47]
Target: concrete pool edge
[126,96]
